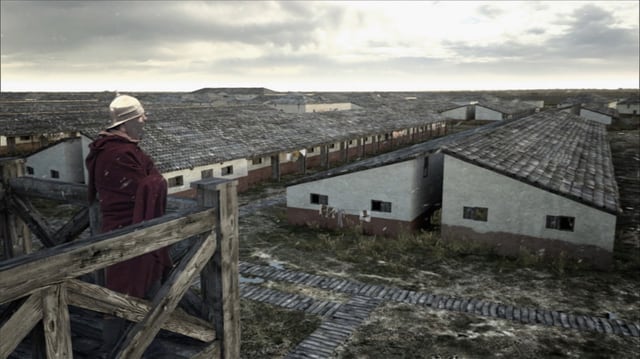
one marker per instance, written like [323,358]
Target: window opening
[319,198]
[175,181]
[475,213]
[380,206]
[206,173]
[227,170]
[561,223]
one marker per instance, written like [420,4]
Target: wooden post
[10,225]
[275,167]
[324,156]
[220,277]
[344,149]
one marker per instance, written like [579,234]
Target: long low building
[544,184]
[251,143]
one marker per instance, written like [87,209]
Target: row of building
[532,178]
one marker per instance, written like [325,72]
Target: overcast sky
[321,46]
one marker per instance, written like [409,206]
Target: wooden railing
[39,287]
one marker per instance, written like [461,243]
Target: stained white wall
[402,184]
[195,174]
[483,113]
[518,208]
[64,157]
[595,116]
[458,113]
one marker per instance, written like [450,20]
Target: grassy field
[424,262]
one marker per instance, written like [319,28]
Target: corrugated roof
[400,155]
[554,150]
[185,137]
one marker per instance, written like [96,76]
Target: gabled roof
[508,107]
[180,138]
[553,150]
[400,155]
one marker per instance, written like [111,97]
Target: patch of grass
[271,332]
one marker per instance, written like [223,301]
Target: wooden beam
[167,298]
[219,279]
[211,351]
[55,320]
[76,225]
[34,220]
[100,299]
[74,193]
[24,275]
[20,324]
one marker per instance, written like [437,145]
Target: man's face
[135,127]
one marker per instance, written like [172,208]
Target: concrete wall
[402,184]
[458,113]
[195,174]
[290,108]
[517,211]
[595,116]
[628,109]
[64,157]
[487,114]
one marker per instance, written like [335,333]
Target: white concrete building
[389,194]
[628,107]
[61,161]
[543,184]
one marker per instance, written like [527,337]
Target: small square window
[25,138]
[30,170]
[333,145]
[311,150]
[475,213]
[55,174]
[227,170]
[561,223]
[318,198]
[380,206]
[175,181]
[256,161]
[206,173]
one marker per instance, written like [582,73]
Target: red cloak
[130,190]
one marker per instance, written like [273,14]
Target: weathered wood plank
[20,324]
[96,298]
[228,276]
[76,225]
[32,218]
[167,298]
[55,319]
[24,275]
[211,351]
[74,193]
[220,284]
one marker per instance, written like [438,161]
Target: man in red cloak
[130,190]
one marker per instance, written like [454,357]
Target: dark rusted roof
[555,151]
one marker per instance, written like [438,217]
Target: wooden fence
[37,288]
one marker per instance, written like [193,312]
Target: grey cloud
[590,34]
[59,27]
[489,11]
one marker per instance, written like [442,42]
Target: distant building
[544,183]
[602,115]
[388,194]
[629,107]
[61,161]
[503,110]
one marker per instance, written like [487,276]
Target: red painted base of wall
[509,244]
[377,226]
